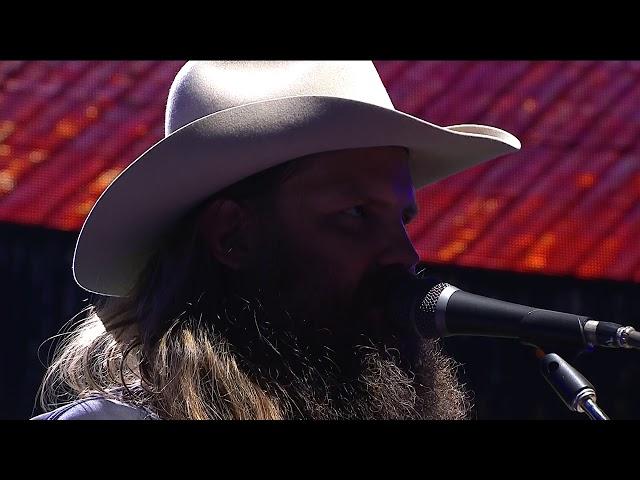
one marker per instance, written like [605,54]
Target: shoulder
[97,408]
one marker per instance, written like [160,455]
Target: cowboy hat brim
[220,149]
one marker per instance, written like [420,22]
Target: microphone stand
[572,387]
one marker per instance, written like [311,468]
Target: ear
[226,226]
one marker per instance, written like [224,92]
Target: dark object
[442,310]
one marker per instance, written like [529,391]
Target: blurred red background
[567,204]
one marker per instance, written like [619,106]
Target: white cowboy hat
[227,120]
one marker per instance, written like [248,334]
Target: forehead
[384,170]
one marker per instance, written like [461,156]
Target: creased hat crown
[204,87]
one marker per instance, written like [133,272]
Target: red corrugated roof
[568,203]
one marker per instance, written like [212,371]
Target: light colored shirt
[98,408]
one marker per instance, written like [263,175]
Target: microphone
[438,309]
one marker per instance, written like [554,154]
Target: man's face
[338,229]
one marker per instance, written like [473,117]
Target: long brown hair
[148,348]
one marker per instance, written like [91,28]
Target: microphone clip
[572,387]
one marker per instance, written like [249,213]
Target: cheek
[328,261]
[343,253]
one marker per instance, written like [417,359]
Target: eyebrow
[410,210]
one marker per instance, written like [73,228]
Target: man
[245,259]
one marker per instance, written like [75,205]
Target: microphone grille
[428,304]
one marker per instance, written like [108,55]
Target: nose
[399,250]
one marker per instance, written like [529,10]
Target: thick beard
[347,371]
[384,391]
[309,379]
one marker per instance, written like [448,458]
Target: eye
[357,212]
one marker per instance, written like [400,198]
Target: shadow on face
[337,227]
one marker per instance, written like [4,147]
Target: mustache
[374,290]
[376,284]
